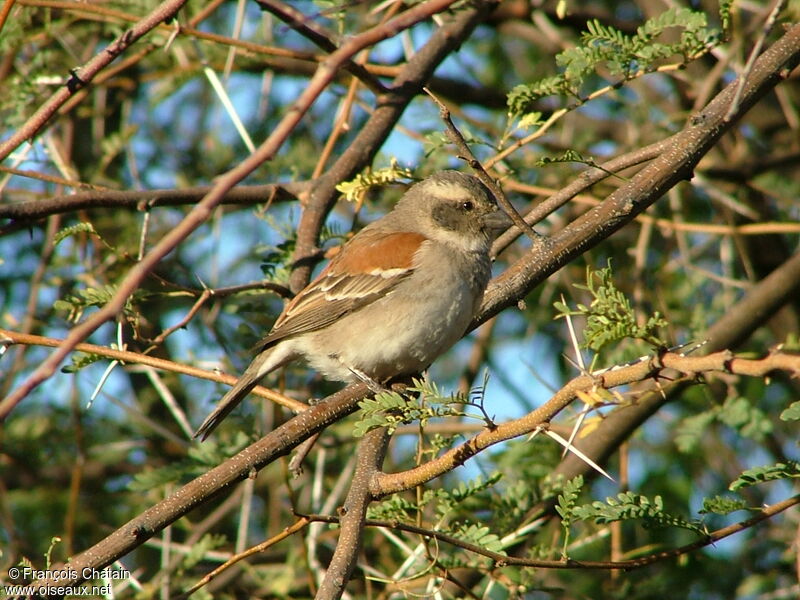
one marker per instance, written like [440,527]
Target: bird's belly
[383,343]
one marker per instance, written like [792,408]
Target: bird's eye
[467,205]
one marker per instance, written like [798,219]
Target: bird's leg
[363,377]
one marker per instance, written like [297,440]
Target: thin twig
[123,356]
[502,560]
[291,530]
[322,38]
[467,155]
[751,60]
[582,182]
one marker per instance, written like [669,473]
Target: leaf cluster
[199,459]
[782,470]
[622,55]
[739,413]
[630,505]
[610,316]
[420,402]
[75,304]
[442,502]
[356,189]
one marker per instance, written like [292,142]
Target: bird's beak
[496,221]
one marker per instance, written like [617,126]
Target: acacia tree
[172,176]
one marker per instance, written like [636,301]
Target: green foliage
[567,501]
[622,55]
[394,508]
[782,470]
[73,230]
[609,316]
[749,420]
[48,561]
[199,549]
[75,304]
[725,16]
[448,501]
[450,510]
[421,402]
[480,535]
[199,459]
[356,189]
[440,504]
[722,505]
[739,413]
[573,156]
[629,505]
[276,259]
[692,429]
[792,413]
[80,360]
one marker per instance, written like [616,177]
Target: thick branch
[653,368]
[673,165]
[147,199]
[371,452]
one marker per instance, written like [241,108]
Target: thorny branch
[654,368]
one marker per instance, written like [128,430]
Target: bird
[396,296]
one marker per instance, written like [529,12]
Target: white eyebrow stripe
[449,191]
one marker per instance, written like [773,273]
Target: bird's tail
[235,395]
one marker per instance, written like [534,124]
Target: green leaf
[787,470]
[80,361]
[749,420]
[605,48]
[610,317]
[628,506]
[721,505]
[692,429]
[73,230]
[199,549]
[356,189]
[567,499]
[480,535]
[792,413]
